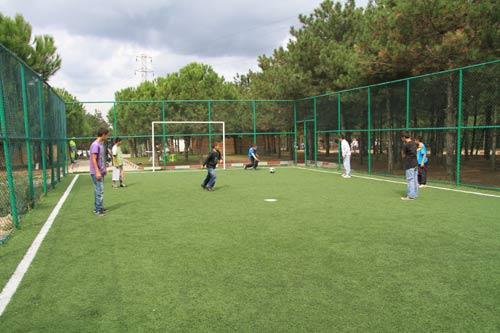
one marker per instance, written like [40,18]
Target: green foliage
[341,46]
[78,121]
[192,82]
[39,52]
[413,37]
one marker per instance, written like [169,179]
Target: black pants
[422,174]
[253,163]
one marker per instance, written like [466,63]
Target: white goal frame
[189,122]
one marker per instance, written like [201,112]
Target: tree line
[335,47]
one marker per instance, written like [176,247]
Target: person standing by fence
[72,153]
[410,166]
[118,173]
[346,156]
[422,160]
[97,161]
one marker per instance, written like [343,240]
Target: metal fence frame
[45,96]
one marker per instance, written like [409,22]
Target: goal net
[185,142]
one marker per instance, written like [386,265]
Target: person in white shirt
[346,157]
[354,145]
[118,174]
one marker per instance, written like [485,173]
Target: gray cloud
[205,28]
[99,39]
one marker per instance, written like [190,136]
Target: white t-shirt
[117,153]
[346,150]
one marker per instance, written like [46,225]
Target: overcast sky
[99,40]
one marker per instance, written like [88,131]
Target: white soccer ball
[272,170]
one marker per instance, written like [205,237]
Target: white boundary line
[399,182]
[16,278]
[171,171]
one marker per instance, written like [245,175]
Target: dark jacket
[410,155]
[212,159]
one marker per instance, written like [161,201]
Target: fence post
[295,147]
[8,164]
[407,123]
[41,103]
[65,138]
[339,132]
[305,142]
[164,130]
[210,125]
[51,159]
[254,122]
[315,130]
[369,131]
[115,121]
[58,162]
[27,134]
[459,126]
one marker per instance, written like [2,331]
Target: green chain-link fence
[436,107]
[268,124]
[455,112]
[32,139]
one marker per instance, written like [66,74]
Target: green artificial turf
[14,250]
[330,254]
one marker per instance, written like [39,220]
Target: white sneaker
[422,186]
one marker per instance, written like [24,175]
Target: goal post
[188,122]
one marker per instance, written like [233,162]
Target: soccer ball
[272,170]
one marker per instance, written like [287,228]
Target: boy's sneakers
[407,198]
[346,176]
[123,185]
[100,213]
[210,189]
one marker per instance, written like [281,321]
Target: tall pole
[164,130]
[210,125]
[407,123]
[115,121]
[315,130]
[295,147]
[254,107]
[8,163]
[27,134]
[305,143]
[41,102]
[369,131]
[459,127]
[339,131]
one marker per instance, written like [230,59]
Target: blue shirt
[251,152]
[421,153]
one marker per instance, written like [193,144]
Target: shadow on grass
[118,205]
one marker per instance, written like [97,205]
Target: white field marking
[400,182]
[170,171]
[271,200]
[16,278]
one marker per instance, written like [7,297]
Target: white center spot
[271,200]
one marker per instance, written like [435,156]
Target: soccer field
[329,254]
